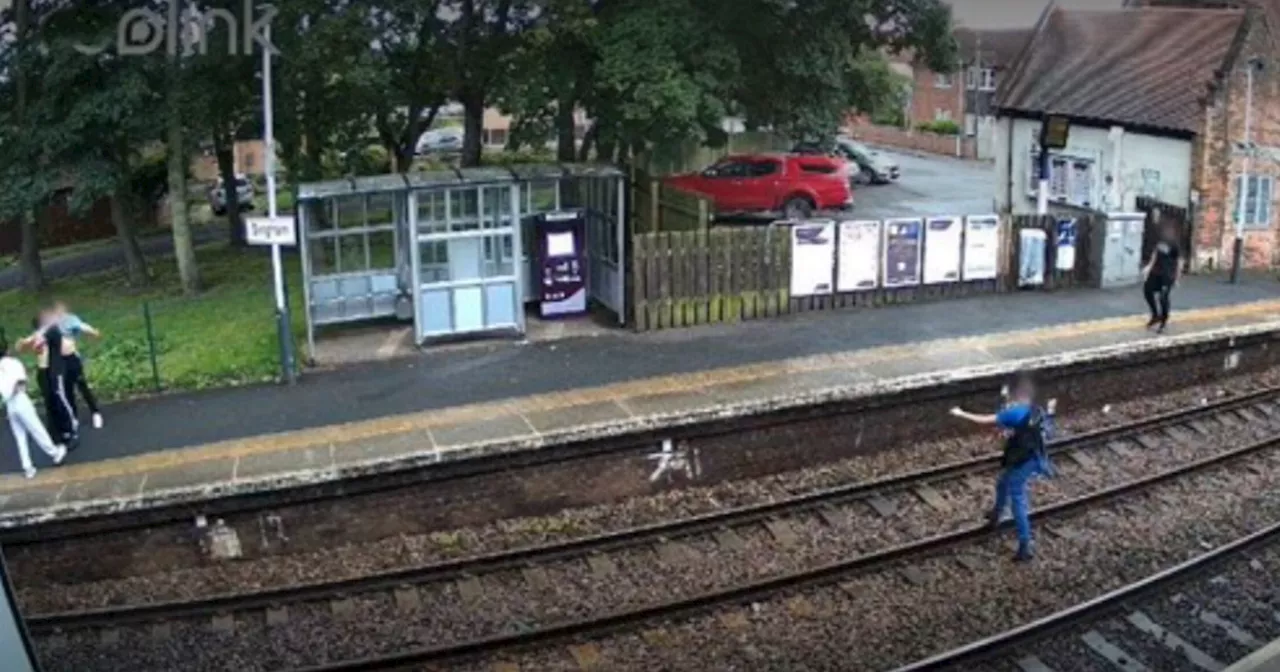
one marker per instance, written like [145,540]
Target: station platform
[503,397]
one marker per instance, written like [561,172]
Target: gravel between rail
[505,602]
[886,618]
[352,560]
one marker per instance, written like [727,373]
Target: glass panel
[464,209]
[433,262]
[381,210]
[436,315]
[382,249]
[322,255]
[319,217]
[431,212]
[497,207]
[500,305]
[350,212]
[351,257]
[540,197]
[468,309]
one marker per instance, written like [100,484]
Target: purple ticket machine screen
[562,263]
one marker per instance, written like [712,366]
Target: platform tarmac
[510,398]
[1266,659]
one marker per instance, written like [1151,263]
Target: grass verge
[226,335]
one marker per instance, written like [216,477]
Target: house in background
[964,97]
[1156,99]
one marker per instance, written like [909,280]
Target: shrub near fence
[682,279]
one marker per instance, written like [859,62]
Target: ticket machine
[561,272]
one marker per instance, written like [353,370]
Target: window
[762,169]
[981,79]
[497,136]
[942,81]
[1072,179]
[818,168]
[940,114]
[728,169]
[1257,201]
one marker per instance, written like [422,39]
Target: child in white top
[23,420]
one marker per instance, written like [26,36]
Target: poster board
[981,247]
[903,245]
[942,246]
[1066,252]
[812,257]
[858,265]
[1031,253]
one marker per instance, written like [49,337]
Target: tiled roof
[1148,67]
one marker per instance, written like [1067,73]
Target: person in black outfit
[59,399]
[1161,274]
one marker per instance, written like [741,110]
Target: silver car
[873,167]
[218,195]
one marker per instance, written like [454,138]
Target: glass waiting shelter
[450,250]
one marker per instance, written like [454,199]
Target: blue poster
[1066,244]
[903,240]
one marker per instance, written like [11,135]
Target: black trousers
[76,380]
[59,405]
[1156,291]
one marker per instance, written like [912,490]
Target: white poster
[942,241]
[859,263]
[981,247]
[812,258]
[1066,249]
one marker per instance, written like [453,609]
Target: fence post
[151,345]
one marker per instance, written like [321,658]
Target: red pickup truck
[788,184]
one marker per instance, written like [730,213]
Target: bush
[941,127]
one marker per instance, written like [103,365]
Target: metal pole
[1237,249]
[151,345]
[1042,192]
[283,327]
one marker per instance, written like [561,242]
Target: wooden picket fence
[657,207]
[688,278]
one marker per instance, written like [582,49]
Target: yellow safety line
[687,383]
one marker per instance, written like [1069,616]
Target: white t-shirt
[12,372]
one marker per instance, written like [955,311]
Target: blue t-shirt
[1013,416]
[71,324]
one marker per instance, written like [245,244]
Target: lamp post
[1237,247]
[283,328]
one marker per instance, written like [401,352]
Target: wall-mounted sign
[903,240]
[812,257]
[1066,252]
[858,266]
[942,246]
[981,247]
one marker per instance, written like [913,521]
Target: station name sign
[270,231]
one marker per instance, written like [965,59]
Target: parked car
[218,195]
[441,141]
[792,185]
[873,167]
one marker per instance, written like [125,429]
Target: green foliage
[941,127]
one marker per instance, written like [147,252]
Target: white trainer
[59,453]
[97,421]
[31,473]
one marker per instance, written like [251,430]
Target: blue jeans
[1011,489]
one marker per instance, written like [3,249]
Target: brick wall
[1218,164]
[928,99]
[919,141]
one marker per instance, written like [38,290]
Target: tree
[184,250]
[20,176]
[482,37]
[406,73]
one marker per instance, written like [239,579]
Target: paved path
[106,258]
[506,369]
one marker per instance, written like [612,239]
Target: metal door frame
[418,238]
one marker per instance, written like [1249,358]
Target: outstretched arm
[974,417]
[88,329]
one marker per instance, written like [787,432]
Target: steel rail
[608,541]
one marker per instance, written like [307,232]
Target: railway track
[1156,444]
[1199,616]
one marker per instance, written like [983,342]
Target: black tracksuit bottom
[1156,291]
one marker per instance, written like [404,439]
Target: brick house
[1221,149]
[1156,97]
[965,97]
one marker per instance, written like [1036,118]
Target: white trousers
[24,422]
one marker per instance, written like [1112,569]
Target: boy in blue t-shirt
[1027,427]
